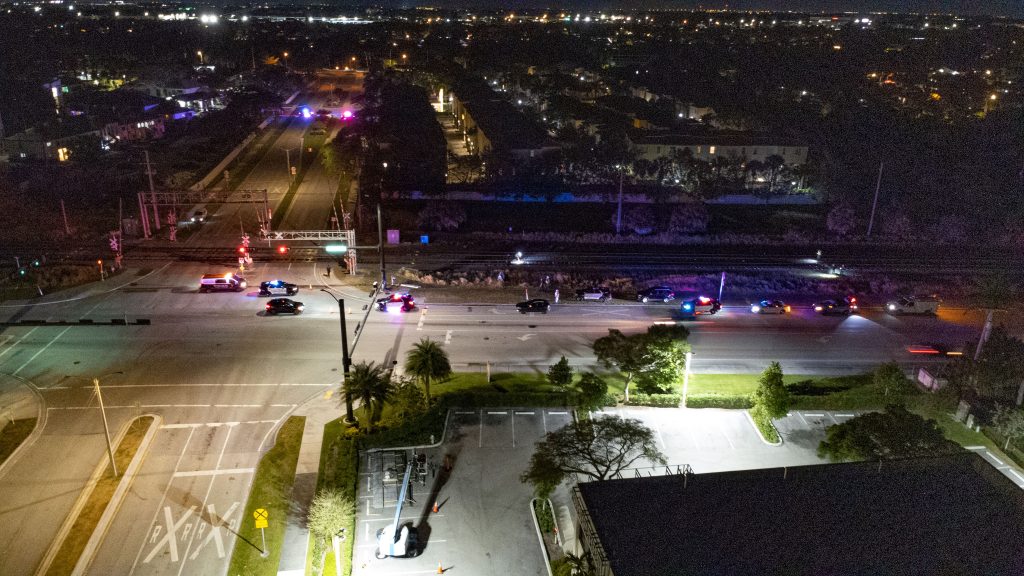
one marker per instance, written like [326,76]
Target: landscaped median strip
[271,488]
[83,530]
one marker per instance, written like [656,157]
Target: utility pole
[380,247]
[152,193]
[106,428]
[618,211]
[288,159]
[64,213]
[346,358]
[874,204]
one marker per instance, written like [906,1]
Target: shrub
[441,216]
[741,401]
[593,391]
[764,424]
[689,218]
[545,519]
[641,220]
[560,373]
[841,220]
[657,400]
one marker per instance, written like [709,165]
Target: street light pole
[618,211]
[380,247]
[346,359]
[106,428]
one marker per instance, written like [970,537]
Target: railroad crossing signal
[261,516]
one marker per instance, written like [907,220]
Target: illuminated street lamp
[200,53]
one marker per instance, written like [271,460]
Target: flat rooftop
[930,516]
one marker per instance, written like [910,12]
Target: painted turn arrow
[526,337]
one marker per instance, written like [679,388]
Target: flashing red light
[242,249]
[704,299]
[282,249]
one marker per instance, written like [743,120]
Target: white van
[913,305]
[222,282]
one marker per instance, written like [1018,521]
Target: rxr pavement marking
[448,337]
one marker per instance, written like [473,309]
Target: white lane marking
[11,347]
[480,442]
[448,337]
[844,415]
[505,413]
[544,421]
[513,429]
[558,413]
[206,499]
[423,316]
[152,522]
[217,384]
[727,439]
[214,472]
[814,415]
[41,350]
[525,413]
[214,533]
[804,420]
[111,407]
[214,424]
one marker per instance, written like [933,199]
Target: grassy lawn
[85,524]
[13,434]
[732,384]
[338,469]
[271,489]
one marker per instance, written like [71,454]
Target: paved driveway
[484,525]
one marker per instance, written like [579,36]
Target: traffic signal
[242,249]
[282,249]
[35,263]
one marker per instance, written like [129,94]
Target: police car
[278,287]
[700,305]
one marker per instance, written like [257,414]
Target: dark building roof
[932,516]
[505,126]
[720,139]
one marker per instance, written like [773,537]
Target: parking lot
[483,525]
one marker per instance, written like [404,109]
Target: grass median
[74,543]
[13,434]
[271,490]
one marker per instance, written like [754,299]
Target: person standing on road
[328,271]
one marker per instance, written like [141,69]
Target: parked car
[914,305]
[397,301]
[770,307]
[657,293]
[222,282]
[272,287]
[846,305]
[284,306]
[536,305]
[700,305]
[597,293]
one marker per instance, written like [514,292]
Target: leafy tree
[999,370]
[841,220]
[428,361]
[560,373]
[771,394]
[593,390]
[370,384]
[889,435]
[329,512]
[654,358]
[640,219]
[897,226]
[598,448]
[574,565]
[407,402]
[663,365]
[690,218]
[890,378]
[1009,421]
[441,216]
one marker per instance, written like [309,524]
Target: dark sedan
[536,305]
[284,306]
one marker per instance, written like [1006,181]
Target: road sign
[260,514]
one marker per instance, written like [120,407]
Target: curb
[540,537]
[83,496]
[84,295]
[758,430]
[100,531]
[36,432]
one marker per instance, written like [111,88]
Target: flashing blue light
[276,283]
[306,113]
[687,306]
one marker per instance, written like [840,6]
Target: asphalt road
[222,376]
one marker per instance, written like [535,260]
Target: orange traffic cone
[440,570]
[435,507]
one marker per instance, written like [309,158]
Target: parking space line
[391,517]
[470,413]
[727,439]
[544,421]
[480,441]
[832,417]
[845,415]
[503,413]
[559,413]
[526,413]
[513,429]
[694,438]
[802,419]
[815,415]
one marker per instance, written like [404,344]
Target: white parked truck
[913,305]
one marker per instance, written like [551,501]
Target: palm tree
[774,164]
[371,385]
[428,361]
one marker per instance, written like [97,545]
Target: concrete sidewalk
[318,412]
